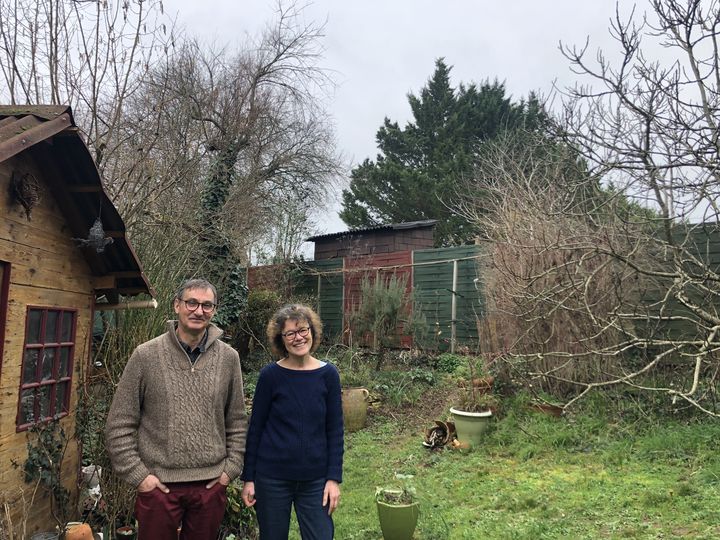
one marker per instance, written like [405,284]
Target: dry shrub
[557,298]
[554,301]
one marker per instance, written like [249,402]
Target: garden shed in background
[63,251]
[444,282]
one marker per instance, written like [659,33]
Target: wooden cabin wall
[47,269]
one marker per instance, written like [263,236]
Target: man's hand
[151,482]
[331,495]
[248,493]
[224,480]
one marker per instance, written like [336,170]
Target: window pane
[51,327]
[48,364]
[60,397]
[30,363]
[34,319]
[44,396]
[64,370]
[27,406]
[67,326]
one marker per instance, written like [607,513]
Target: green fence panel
[697,241]
[432,285]
[325,275]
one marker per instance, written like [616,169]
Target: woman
[294,448]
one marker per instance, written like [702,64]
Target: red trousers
[190,505]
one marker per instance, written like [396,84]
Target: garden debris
[461,446]
[439,435]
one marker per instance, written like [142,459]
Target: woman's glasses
[302,332]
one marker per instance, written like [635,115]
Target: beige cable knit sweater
[178,421]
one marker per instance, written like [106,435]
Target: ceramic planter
[470,426]
[354,406]
[45,536]
[398,521]
[91,475]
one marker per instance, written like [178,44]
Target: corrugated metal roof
[376,228]
[76,185]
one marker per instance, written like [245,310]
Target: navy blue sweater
[296,427]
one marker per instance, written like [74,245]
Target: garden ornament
[96,238]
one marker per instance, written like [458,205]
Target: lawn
[587,475]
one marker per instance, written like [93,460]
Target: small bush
[239,521]
[448,362]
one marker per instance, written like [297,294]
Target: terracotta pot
[482,385]
[81,531]
[547,408]
[126,532]
[354,406]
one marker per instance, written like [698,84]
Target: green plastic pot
[398,521]
[470,426]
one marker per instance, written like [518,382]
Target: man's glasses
[302,332]
[192,305]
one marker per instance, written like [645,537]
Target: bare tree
[90,55]
[625,289]
[245,147]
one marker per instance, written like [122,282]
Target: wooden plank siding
[46,269]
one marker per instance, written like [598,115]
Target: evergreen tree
[418,167]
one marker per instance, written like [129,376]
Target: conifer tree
[417,170]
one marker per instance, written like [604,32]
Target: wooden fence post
[453,308]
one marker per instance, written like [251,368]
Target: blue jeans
[274,499]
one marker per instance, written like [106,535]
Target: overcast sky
[382,49]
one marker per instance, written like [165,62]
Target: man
[177,424]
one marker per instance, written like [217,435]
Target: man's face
[194,321]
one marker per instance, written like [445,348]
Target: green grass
[536,477]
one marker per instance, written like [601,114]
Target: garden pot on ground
[91,475]
[471,426]
[78,531]
[354,407]
[398,521]
[547,408]
[126,532]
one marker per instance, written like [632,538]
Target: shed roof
[376,228]
[77,187]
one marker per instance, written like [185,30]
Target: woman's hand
[248,493]
[331,495]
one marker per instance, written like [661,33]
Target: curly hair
[294,312]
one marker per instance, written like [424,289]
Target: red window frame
[47,365]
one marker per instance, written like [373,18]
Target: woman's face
[297,337]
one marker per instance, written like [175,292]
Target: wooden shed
[375,240]
[63,247]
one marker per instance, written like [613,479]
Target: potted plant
[475,407]
[398,509]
